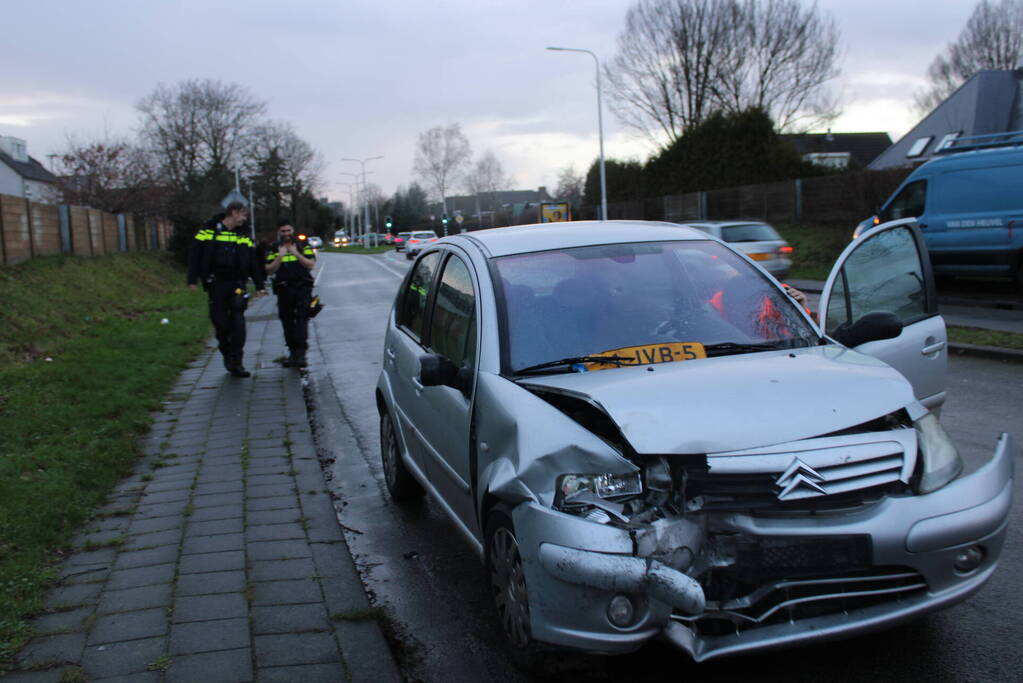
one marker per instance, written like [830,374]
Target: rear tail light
[785,250]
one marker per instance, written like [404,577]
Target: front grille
[786,600]
[843,469]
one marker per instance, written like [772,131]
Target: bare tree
[991,39]
[570,185]
[441,153]
[679,61]
[486,177]
[197,126]
[109,173]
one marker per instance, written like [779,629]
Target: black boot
[289,362]
[299,359]
[237,369]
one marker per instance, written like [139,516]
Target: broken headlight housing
[607,492]
[939,460]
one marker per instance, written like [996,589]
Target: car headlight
[940,461]
[582,490]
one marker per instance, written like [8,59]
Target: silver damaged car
[644,436]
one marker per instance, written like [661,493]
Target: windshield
[751,232]
[573,303]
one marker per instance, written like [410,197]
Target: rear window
[423,235]
[751,232]
[977,190]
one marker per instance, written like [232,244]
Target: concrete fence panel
[45,226]
[96,232]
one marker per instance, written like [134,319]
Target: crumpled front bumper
[574,567]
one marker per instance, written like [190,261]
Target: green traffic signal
[444,219]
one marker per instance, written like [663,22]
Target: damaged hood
[738,402]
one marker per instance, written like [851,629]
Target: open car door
[887,269]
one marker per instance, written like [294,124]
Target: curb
[980,351]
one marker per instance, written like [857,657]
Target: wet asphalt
[430,582]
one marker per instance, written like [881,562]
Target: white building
[23,176]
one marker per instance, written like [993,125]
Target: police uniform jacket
[220,253]
[291,271]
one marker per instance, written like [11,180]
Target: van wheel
[400,483]
[506,581]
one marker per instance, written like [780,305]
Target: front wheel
[507,583]
[400,483]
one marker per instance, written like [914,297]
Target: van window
[977,190]
[907,204]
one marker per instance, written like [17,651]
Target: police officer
[222,258]
[290,260]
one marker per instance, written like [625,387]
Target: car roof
[725,224]
[521,239]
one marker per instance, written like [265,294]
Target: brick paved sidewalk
[220,558]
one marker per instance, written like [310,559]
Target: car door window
[411,311]
[453,326]
[908,204]
[883,274]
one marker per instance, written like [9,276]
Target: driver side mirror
[436,370]
[871,327]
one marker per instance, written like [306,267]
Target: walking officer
[290,260]
[222,258]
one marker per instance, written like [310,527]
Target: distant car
[417,241]
[315,242]
[340,238]
[400,239]
[758,240]
[641,435]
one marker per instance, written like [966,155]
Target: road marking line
[398,275]
[323,267]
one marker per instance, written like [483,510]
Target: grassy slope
[84,360]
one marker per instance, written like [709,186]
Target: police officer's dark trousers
[293,309]
[228,320]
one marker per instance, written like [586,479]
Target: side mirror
[437,371]
[871,327]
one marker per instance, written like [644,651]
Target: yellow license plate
[651,353]
[761,257]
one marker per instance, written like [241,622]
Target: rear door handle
[932,348]
[390,353]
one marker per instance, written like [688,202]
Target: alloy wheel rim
[508,585]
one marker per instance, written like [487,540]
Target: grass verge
[356,249]
[84,360]
[982,337]
[815,248]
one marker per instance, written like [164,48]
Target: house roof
[986,103]
[30,170]
[862,147]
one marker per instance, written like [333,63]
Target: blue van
[968,203]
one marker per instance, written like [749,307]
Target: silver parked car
[417,241]
[642,435]
[757,240]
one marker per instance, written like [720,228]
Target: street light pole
[600,127]
[366,208]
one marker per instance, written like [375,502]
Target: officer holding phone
[290,260]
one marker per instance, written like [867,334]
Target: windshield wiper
[572,360]
[727,348]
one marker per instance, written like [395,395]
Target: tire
[506,583]
[400,483]
[408,256]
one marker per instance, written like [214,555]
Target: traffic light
[444,219]
[387,222]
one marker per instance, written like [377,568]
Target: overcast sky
[361,78]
